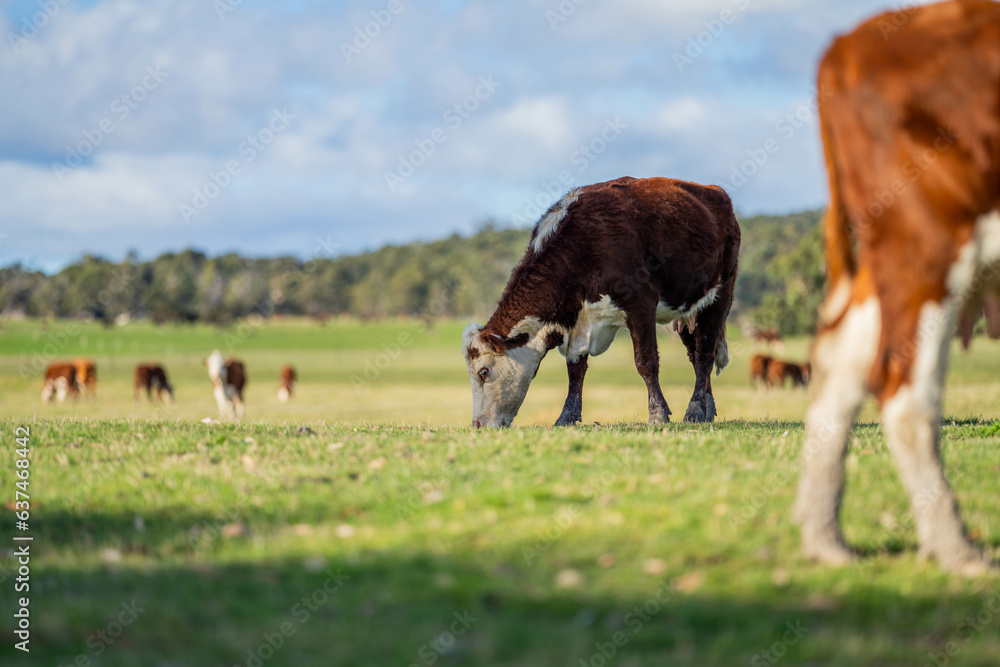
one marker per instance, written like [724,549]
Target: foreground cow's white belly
[595,330]
[599,322]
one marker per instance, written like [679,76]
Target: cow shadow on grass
[424,608]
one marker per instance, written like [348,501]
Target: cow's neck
[537,301]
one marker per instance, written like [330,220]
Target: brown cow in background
[287,383]
[60,381]
[759,367]
[86,375]
[228,377]
[152,377]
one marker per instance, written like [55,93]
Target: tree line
[780,281]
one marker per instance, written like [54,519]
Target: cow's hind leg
[647,362]
[842,359]
[911,418]
[572,411]
[702,345]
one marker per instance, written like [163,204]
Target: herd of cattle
[78,378]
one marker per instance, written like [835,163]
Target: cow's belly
[666,313]
[598,323]
[596,327]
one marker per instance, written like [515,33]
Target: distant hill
[456,276]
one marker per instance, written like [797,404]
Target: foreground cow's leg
[912,424]
[572,411]
[647,362]
[842,358]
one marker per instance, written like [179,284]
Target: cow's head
[500,370]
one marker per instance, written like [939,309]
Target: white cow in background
[229,378]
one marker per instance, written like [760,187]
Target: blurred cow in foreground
[287,384]
[228,378]
[60,382]
[910,121]
[152,377]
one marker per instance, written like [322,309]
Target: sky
[311,128]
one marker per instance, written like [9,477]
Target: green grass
[549,539]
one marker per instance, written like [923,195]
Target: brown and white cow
[86,375]
[760,364]
[287,383]
[779,372]
[625,253]
[152,377]
[910,118]
[60,381]
[228,377]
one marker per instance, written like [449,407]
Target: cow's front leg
[572,411]
[647,362]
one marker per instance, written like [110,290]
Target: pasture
[392,533]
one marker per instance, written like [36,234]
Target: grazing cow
[759,367]
[152,377]
[229,378]
[625,253]
[767,336]
[60,381]
[287,384]
[910,118]
[781,371]
[86,375]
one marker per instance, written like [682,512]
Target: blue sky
[262,127]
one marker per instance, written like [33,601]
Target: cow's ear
[496,342]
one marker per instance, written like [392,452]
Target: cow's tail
[840,260]
[721,355]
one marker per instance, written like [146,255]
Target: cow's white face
[500,371]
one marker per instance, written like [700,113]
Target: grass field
[392,534]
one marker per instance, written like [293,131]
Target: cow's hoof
[695,414]
[829,552]
[710,403]
[965,560]
[568,420]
